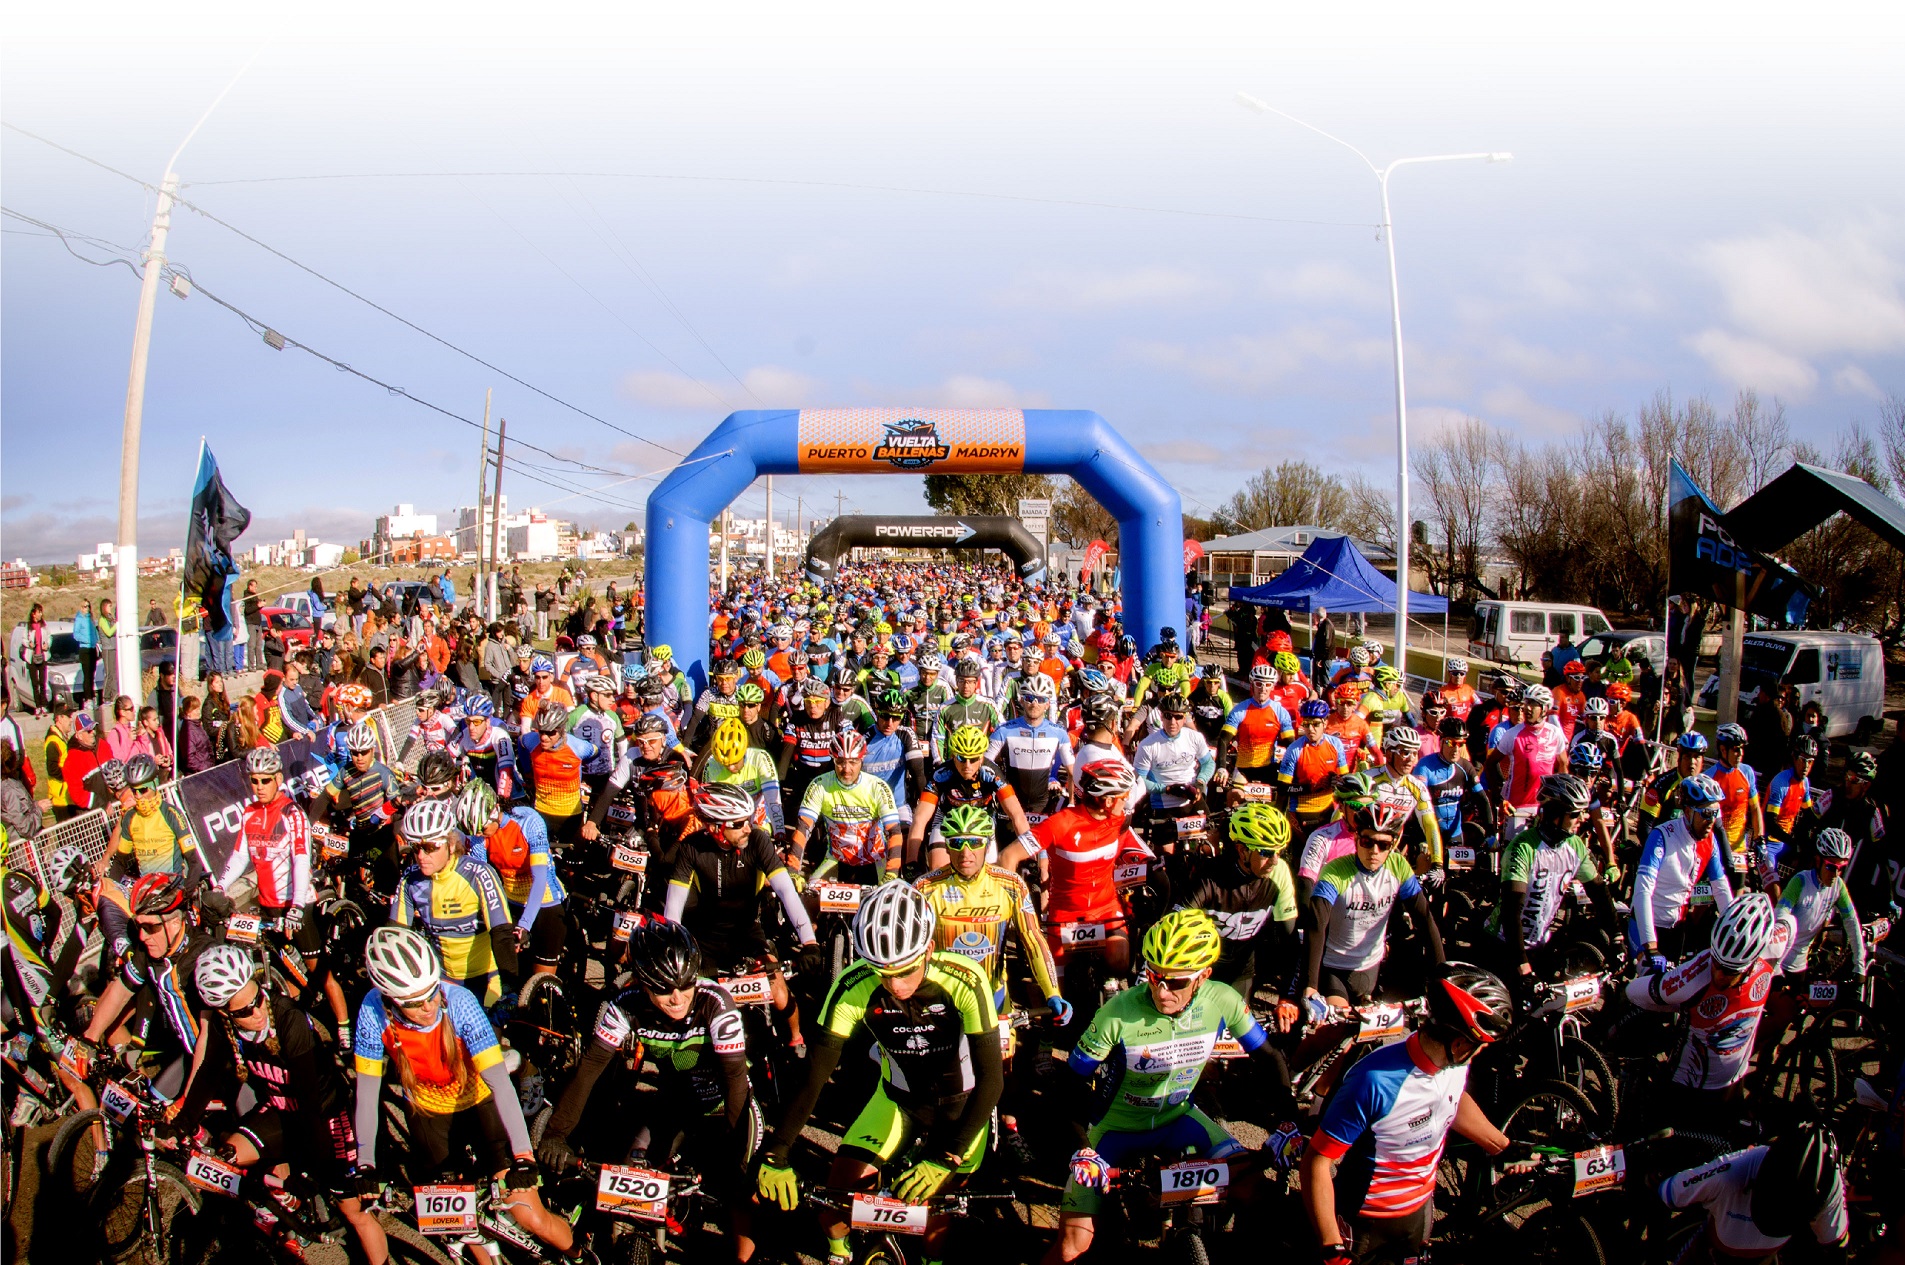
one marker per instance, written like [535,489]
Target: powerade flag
[217,520]
[1704,559]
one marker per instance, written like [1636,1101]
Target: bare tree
[1764,437]
[1289,494]
[1078,518]
[1454,473]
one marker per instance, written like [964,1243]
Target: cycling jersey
[925,1042]
[1035,757]
[457,908]
[1447,782]
[1160,679]
[275,841]
[1256,729]
[491,758]
[1569,704]
[1326,843]
[1378,709]
[1386,1125]
[985,789]
[174,984]
[1290,696]
[899,760]
[1425,812]
[1083,853]
[973,915]
[1244,907]
[700,1057]
[1545,869]
[533,701]
[44,941]
[859,817]
[1310,767]
[1787,795]
[1353,733]
[517,849]
[1724,1188]
[366,795]
[1718,1049]
[1460,699]
[1809,906]
[1162,761]
[758,775]
[1672,861]
[603,732]
[1362,900]
[811,737]
[555,772]
[1529,753]
[1155,1059]
[156,842]
[435,734]
[1739,791]
[293,1076]
[441,1087]
[727,881]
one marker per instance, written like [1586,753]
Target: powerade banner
[1704,559]
[917,441]
[217,520]
[971,531]
[214,801]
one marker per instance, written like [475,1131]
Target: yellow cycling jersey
[1425,808]
[973,913]
[159,842]
[457,908]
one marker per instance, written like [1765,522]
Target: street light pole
[126,563]
[1382,175]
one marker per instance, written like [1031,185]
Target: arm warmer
[502,941]
[1322,912]
[783,884]
[365,1120]
[823,1056]
[509,1107]
[1419,906]
[575,1097]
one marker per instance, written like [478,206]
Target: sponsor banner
[214,801]
[917,441]
[1705,559]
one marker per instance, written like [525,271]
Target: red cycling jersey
[276,840]
[1084,852]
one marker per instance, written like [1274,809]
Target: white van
[1517,632]
[1845,672]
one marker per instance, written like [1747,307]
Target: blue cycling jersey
[1447,782]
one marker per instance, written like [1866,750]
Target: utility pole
[724,550]
[496,515]
[838,496]
[770,527]
[476,528]
[800,502]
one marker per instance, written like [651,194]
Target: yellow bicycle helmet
[1260,827]
[1182,941]
[1287,663]
[730,743]
[968,742]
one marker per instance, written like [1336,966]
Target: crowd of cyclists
[940,893]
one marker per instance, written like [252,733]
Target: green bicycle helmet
[968,821]
[1182,941]
[1260,827]
[968,742]
[751,694]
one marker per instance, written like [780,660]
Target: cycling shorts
[1193,1129]
[437,1141]
[1114,924]
[884,1128]
[266,1129]
[1358,986]
[1389,1240]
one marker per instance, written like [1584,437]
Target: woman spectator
[18,809]
[1677,701]
[39,645]
[243,733]
[195,741]
[122,731]
[254,613]
[463,666]
[216,712]
[86,637]
[151,739]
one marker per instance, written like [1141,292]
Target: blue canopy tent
[1333,574]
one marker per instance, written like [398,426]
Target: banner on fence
[215,800]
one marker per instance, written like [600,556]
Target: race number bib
[1583,994]
[1382,1023]
[622,1191]
[1702,894]
[445,1209]
[873,1212]
[1461,857]
[745,990]
[1196,1182]
[626,920]
[839,898]
[243,928]
[1082,933]
[1191,825]
[1822,994]
[1599,1169]
[630,858]
[116,1102]
[209,1173]
[1131,875]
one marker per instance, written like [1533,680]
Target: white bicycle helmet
[894,926]
[1265,673]
[1832,844]
[361,738]
[1359,656]
[402,964]
[67,868]
[1401,738]
[1457,666]
[1538,696]
[1037,686]
[1595,707]
[599,683]
[429,819]
[222,973]
[1742,932]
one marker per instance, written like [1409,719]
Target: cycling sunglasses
[249,1008]
[899,972]
[153,928]
[967,845]
[1171,983]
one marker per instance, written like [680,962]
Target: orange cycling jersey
[1353,733]
[532,703]
[557,771]
[1084,852]
[1256,729]
[1460,698]
[1291,696]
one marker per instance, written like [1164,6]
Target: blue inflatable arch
[749,444]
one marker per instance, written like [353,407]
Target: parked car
[285,631]
[1843,672]
[306,603]
[62,663]
[1517,632]
[1636,643]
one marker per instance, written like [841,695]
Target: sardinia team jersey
[1386,1125]
[441,1088]
[1256,729]
[457,908]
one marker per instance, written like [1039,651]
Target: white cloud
[1249,363]
[1812,296]
[1852,380]
[771,385]
[1087,291]
[1748,362]
[658,388]
[1321,281]
[781,388]
[1517,405]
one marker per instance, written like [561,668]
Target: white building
[401,523]
[534,541]
[323,556]
[100,559]
[473,525]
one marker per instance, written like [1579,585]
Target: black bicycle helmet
[665,957]
[1795,1179]
[1468,1001]
[1174,704]
[436,771]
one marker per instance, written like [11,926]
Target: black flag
[217,520]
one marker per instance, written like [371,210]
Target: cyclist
[1448,776]
[256,1038]
[724,866]
[153,837]
[1722,991]
[853,707]
[1658,796]
[968,707]
[1291,689]
[1174,763]
[1037,753]
[1349,728]
[691,1031]
[455,1088]
[732,759]
[1351,903]
[457,900]
[1251,895]
[1815,896]
[968,777]
[1525,753]
[859,814]
[1370,1172]
[1593,731]
[1859,813]
[432,731]
[1456,692]
[1681,854]
[1401,745]
[1337,838]
[486,748]
[364,792]
[1311,766]
[1742,821]
[543,690]
[1384,703]
[555,759]
[942,1071]
[44,942]
[1542,862]
[895,754]
[974,902]
[596,722]
[1606,822]
[1788,796]
[151,1004]
[1756,1200]
[678,691]
[1081,848]
[1251,734]
[716,704]
[1152,1044]
[807,734]
[1210,705]
[631,801]
[512,843]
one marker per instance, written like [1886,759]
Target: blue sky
[659,218]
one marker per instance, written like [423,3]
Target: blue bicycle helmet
[1314,709]
[1692,743]
[478,705]
[542,663]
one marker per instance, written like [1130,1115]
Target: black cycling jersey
[43,947]
[1208,711]
[949,790]
[808,740]
[701,1057]
[290,1071]
[1252,913]
[168,986]
[726,883]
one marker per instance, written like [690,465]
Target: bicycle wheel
[1857,1039]
[1558,1236]
[1587,1069]
[1186,1247]
[409,1245]
[119,1213]
[74,1158]
[1805,1073]
[1550,1113]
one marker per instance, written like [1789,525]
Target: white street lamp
[1395,317]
